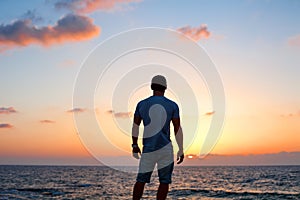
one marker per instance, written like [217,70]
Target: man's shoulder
[164,99]
[143,100]
[170,101]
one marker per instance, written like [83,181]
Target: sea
[101,182]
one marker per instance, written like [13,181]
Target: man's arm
[179,139]
[135,135]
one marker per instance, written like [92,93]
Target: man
[156,112]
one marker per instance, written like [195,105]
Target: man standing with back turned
[157,112]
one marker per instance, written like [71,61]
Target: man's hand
[135,152]
[180,157]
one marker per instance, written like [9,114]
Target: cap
[159,80]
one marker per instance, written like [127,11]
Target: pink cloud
[67,63]
[77,110]
[89,6]
[8,110]
[210,113]
[6,125]
[294,40]
[291,115]
[32,15]
[47,121]
[120,114]
[69,28]
[196,33]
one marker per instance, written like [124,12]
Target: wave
[175,193]
[218,193]
[43,191]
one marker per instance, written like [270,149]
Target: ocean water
[98,182]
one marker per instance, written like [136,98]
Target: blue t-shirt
[156,113]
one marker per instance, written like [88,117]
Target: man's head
[159,83]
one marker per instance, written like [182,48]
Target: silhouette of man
[156,112]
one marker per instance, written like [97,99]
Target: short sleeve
[176,111]
[137,110]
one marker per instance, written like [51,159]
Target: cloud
[281,158]
[291,115]
[110,111]
[209,113]
[8,110]
[294,40]
[32,15]
[6,126]
[120,114]
[67,63]
[69,28]
[195,33]
[76,110]
[89,6]
[47,121]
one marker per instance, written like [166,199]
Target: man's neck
[158,93]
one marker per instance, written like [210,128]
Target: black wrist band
[134,145]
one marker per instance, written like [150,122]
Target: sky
[255,46]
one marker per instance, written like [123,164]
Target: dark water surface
[97,182]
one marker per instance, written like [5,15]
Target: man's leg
[165,166]
[162,192]
[138,190]
[146,166]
